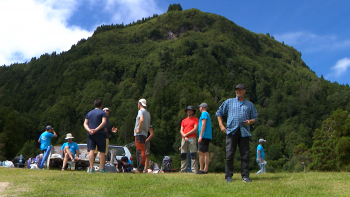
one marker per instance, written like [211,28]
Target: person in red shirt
[189,127]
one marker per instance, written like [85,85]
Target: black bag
[18,164]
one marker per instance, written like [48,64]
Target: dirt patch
[3,186]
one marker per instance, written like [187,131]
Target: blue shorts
[98,140]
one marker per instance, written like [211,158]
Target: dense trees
[173,60]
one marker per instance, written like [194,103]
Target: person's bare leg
[65,160]
[66,150]
[201,161]
[91,159]
[206,167]
[146,163]
[102,160]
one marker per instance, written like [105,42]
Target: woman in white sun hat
[68,150]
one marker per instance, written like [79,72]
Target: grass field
[25,182]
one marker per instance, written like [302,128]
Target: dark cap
[190,108]
[203,105]
[49,127]
[240,86]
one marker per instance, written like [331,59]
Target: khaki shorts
[189,146]
[148,147]
[107,143]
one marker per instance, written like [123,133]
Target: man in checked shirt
[240,115]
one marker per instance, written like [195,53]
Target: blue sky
[319,29]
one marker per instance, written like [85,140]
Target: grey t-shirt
[146,122]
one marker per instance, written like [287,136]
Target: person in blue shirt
[94,124]
[45,138]
[205,136]
[240,115]
[68,150]
[260,156]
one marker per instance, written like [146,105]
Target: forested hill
[177,59]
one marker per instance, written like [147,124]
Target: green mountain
[177,59]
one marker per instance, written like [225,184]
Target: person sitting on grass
[68,150]
[124,165]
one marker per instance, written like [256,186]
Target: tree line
[202,62]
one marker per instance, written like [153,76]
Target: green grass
[24,182]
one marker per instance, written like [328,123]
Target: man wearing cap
[188,132]
[205,137]
[142,126]
[240,115]
[107,132]
[45,138]
[260,156]
[94,124]
[68,150]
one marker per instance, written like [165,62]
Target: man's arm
[140,125]
[259,156]
[77,153]
[182,132]
[194,130]
[253,116]
[86,125]
[204,122]
[222,127]
[39,140]
[151,134]
[103,123]
[54,133]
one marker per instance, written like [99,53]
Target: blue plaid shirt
[237,113]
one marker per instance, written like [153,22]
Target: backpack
[34,162]
[167,164]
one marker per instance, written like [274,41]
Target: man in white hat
[260,156]
[142,126]
[68,150]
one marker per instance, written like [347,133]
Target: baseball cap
[143,102]
[240,86]
[262,140]
[190,108]
[49,127]
[203,105]
[106,109]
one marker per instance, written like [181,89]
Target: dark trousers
[231,145]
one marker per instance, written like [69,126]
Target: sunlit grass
[24,182]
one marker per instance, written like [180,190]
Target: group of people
[240,113]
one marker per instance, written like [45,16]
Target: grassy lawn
[25,182]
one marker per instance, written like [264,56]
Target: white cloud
[131,10]
[30,28]
[340,67]
[310,42]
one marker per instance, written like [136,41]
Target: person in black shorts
[94,124]
[205,136]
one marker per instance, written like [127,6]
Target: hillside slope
[173,60]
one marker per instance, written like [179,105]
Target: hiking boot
[102,171]
[246,179]
[228,179]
